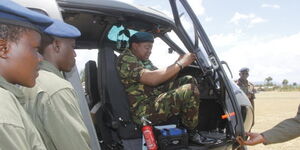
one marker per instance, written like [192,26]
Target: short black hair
[46,41]
[11,32]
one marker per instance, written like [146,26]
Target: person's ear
[3,48]
[56,45]
[134,46]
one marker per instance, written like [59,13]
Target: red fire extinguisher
[148,134]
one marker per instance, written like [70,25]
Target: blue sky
[263,35]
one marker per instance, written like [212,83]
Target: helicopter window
[160,56]
[187,23]
[116,33]
[194,36]
[121,36]
[174,37]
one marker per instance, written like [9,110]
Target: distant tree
[285,82]
[294,84]
[269,80]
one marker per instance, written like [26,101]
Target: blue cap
[244,69]
[140,37]
[15,14]
[62,29]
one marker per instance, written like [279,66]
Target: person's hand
[186,59]
[255,138]
[180,56]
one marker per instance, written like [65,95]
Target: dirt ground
[270,109]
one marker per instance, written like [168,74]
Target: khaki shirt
[54,109]
[247,87]
[284,131]
[17,131]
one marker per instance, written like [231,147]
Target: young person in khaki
[19,40]
[53,103]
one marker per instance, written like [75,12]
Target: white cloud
[250,19]
[237,17]
[277,57]
[257,20]
[220,40]
[274,6]
[165,11]
[208,19]
[127,1]
[197,6]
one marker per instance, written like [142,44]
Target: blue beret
[62,29]
[244,69]
[15,14]
[141,37]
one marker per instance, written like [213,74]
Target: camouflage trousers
[179,97]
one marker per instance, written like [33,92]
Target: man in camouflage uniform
[245,85]
[154,93]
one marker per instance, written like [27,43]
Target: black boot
[194,137]
[202,138]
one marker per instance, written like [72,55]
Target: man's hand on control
[186,59]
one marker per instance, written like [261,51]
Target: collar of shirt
[244,82]
[128,51]
[47,66]
[13,89]
[147,63]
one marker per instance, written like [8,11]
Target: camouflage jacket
[129,67]
[247,87]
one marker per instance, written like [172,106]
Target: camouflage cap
[244,69]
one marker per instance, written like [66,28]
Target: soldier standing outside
[19,41]
[53,103]
[153,93]
[246,86]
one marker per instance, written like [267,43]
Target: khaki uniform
[159,103]
[17,131]
[54,109]
[248,88]
[284,131]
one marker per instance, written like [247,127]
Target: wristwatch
[179,64]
